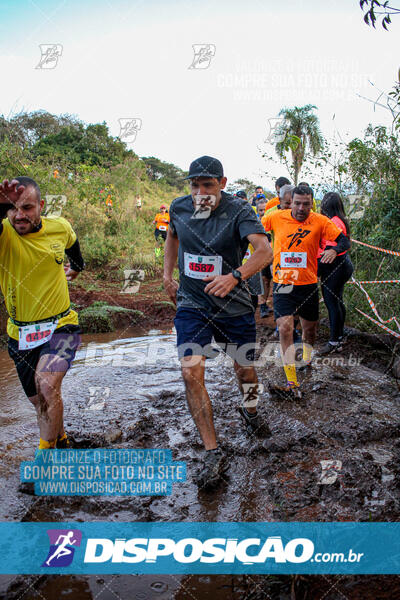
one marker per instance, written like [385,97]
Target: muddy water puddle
[333,456]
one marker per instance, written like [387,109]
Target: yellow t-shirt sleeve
[70,235]
[4,238]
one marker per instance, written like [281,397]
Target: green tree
[374,167]
[26,129]
[164,172]
[91,145]
[300,134]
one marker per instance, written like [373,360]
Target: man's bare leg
[309,334]
[285,326]
[198,399]
[246,375]
[48,402]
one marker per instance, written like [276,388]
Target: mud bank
[350,414]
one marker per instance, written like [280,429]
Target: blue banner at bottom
[208,548]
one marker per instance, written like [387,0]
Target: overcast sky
[130,59]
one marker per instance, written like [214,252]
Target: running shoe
[63,443]
[27,487]
[215,463]
[265,311]
[285,392]
[328,348]
[255,425]
[306,367]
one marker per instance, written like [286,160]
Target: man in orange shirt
[161,221]
[297,235]
[280,182]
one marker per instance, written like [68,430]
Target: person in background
[314,206]
[335,274]
[161,221]
[241,194]
[255,282]
[285,197]
[281,181]
[109,205]
[261,208]
[138,202]
[259,190]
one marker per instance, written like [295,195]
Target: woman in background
[334,275]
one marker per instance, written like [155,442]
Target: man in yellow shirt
[43,330]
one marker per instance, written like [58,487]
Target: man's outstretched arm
[9,194]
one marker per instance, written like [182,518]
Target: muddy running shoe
[27,487]
[265,311]
[328,348]
[255,424]
[62,443]
[307,367]
[214,465]
[285,392]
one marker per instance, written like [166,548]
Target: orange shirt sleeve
[330,231]
[266,222]
[271,203]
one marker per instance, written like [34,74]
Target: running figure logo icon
[203,204]
[275,133]
[128,129]
[298,236]
[251,393]
[50,55]
[54,204]
[62,547]
[203,53]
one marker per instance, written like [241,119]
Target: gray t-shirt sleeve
[171,226]
[248,222]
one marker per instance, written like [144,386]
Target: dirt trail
[350,414]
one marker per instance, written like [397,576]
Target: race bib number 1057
[198,267]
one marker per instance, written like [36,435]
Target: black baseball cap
[241,194]
[205,166]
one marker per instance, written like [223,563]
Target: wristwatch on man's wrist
[237,275]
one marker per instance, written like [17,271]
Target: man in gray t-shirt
[209,233]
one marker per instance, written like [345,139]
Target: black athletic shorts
[63,344]
[158,233]
[302,300]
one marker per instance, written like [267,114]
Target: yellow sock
[62,437]
[45,445]
[291,376]
[307,350]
